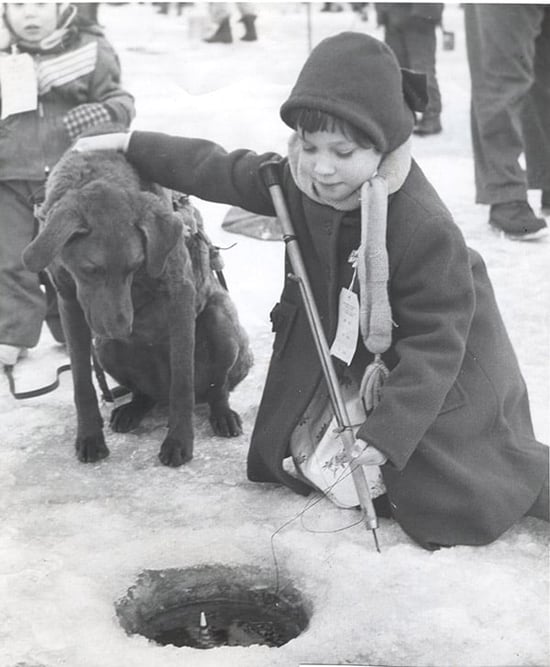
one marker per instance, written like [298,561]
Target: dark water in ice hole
[230,623]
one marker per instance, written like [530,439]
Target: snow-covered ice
[75,537]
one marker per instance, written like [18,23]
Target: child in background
[58,77]
[451,431]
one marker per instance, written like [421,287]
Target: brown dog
[133,275]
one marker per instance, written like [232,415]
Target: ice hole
[212,605]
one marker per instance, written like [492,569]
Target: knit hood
[357,78]
[68,26]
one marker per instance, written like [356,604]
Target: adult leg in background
[247,11]
[421,43]
[220,16]
[536,115]
[500,42]
[22,301]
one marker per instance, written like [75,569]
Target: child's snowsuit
[78,87]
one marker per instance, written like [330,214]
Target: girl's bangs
[313,120]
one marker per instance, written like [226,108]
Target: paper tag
[345,341]
[18,84]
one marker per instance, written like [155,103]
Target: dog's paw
[173,453]
[226,423]
[91,448]
[125,418]
[128,416]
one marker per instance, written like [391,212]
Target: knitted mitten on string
[373,272]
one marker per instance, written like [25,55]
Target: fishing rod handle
[269,171]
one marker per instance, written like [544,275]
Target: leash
[33,393]
[107,394]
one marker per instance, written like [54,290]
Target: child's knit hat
[357,78]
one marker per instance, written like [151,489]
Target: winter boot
[545,202]
[9,354]
[428,124]
[222,35]
[250,31]
[516,220]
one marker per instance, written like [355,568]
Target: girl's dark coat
[453,420]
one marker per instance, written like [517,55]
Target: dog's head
[102,234]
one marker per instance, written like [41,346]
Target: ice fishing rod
[270,174]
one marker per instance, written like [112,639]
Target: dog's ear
[61,222]
[161,229]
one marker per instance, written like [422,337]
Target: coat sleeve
[105,85]
[202,168]
[433,300]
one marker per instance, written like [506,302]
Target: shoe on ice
[428,125]
[9,354]
[250,34]
[222,35]
[516,220]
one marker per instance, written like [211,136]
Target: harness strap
[216,262]
[222,280]
[106,392]
[181,201]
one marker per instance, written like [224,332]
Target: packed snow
[76,536]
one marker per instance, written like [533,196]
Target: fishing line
[310,503]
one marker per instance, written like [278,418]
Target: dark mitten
[415,89]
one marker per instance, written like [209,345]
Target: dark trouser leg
[250,34]
[421,45]
[393,36]
[500,42]
[536,114]
[220,16]
[22,301]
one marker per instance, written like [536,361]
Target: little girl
[59,76]
[451,430]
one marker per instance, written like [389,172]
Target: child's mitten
[85,116]
[367,455]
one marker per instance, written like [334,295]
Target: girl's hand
[116,141]
[367,455]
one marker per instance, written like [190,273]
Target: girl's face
[32,21]
[337,165]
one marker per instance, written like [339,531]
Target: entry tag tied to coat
[347,331]
[18,84]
